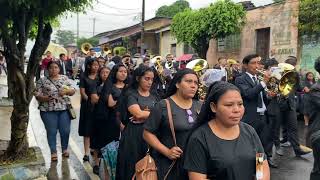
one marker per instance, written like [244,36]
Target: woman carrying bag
[51,93]
[157,131]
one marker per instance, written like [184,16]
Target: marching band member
[255,101]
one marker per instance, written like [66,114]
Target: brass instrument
[105,49]
[85,48]
[199,65]
[169,65]
[282,81]
[229,69]
[156,61]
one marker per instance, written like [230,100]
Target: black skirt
[105,129]
[86,119]
[132,148]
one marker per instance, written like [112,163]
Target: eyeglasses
[190,118]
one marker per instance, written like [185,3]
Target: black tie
[259,96]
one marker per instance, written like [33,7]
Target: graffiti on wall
[310,52]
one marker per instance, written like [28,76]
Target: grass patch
[29,156]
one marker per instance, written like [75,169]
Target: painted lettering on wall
[285,51]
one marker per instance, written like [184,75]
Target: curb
[31,170]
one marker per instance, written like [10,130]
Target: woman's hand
[174,153]
[44,98]
[63,92]
[94,98]
[122,126]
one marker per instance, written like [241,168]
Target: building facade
[270,31]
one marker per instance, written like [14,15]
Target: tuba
[282,80]
[199,65]
[105,49]
[85,48]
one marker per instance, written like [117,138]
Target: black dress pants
[263,130]
[289,119]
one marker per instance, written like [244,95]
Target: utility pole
[77,27]
[94,26]
[142,27]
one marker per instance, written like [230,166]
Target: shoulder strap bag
[173,135]
[71,111]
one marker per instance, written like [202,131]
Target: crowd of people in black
[124,114]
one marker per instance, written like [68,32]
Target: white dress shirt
[263,108]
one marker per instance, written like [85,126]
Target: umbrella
[56,49]
[185,57]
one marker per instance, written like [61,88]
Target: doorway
[263,42]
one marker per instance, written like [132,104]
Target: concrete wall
[282,18]
[166,40]
[150,43]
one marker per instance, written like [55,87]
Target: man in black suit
[288,115]
[255,101]
[62,64]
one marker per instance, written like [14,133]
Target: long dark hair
[172,89]
[137,74]
[215,91]
[306,78]
[99,72]
[113,74]
[88,66]
[53,62]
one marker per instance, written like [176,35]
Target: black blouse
[158,123]
[223,159]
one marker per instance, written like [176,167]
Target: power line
[112,14]
[117,7]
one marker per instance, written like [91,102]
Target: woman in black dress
[224,148]
[157,133]
[118,80]
[88,81]
[138,103]
[100,115]
[307,83]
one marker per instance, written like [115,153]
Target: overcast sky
[114,14]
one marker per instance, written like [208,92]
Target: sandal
[54,157]
[66,154]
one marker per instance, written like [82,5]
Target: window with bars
[231,43]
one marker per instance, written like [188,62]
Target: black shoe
[279,151]
[272,164]
[96,170]
[283,141]
[85,158]
[301,152]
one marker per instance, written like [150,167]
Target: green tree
[173,9]
[65,37]
[122,50]
[93,41]
[197,27]
[21,20]
[309,17]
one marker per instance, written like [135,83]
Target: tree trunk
[18,145]
[22,86]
